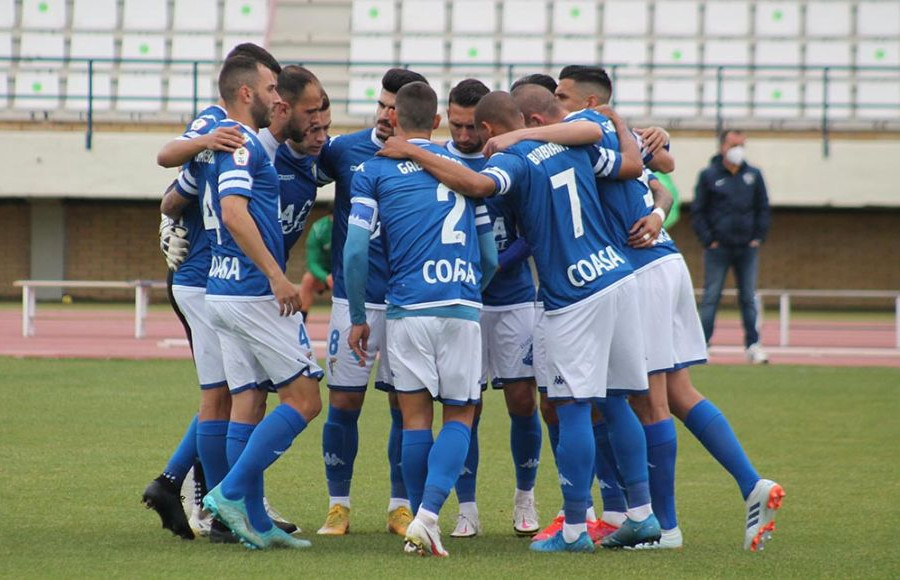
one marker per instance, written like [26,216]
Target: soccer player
[588,292]
[507,321]
[440,252]
[348,379]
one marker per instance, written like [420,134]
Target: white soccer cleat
[467,525]
[424,539]
[525,516]
[668,540]
[200,521]
[279,520]
[762,503]
[756,355]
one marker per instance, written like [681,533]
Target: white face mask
[735,155]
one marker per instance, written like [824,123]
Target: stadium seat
[523,50]
[143,47]
[878,99]
[878,19]
[414,49]
[372,49]
[675,18]
[193,47]
[477,16]
[828,53]
[735,98]
[181,93]
[423,16]
[373,16]
[43,14]
[524,17]
[777,97]
[363,95]
[138,92]
[77,92]
[878,53]
[100,15]
[624,51]
[145,15]
[574,17]
[85,45]
[630,95]
[674,97]
[778,19]
[777,52]
[574,51]
[43,45]
[725,52]
[246,16]
[827,19]
[625,18]
[839,99]
[5,47]
[673,51]
[7,15]
[726,18]
[232,40]
[3,83]
[36,90]
[465,50]
[196,15]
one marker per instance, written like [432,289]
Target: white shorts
[596,348]
[539,348]
[258,343]
[506,337]
[673,336]
[204,340]
[344,372]
[440,355]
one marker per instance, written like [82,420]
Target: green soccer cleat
[557,543]
[233,513]
[278,538]
[632,533]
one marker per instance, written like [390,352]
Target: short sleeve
[607,162]
[363,205]
[234,171]
[482,218]
[506,171]
[186,184]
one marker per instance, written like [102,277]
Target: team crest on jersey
[749,178]
[198,124]
[241,156]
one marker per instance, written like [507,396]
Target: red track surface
[66,333]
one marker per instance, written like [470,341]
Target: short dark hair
[725,133]
[543,80]
[257,53]
[592,75]
[326,102]
[293,80]
[416,106]
[236,72]
[498,107]
[468,92]
[396,78]
[535,100]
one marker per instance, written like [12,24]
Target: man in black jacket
[731,216]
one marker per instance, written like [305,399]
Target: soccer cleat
[278,538]
[220,534]
[762,503]
[668,540]
[167,503]
[200,521]
[424,540]
[557,543]
[555,526]
[756,355]
[337,522]
[398,520]
[598,529]
[233,513]
[467,525]
[633,533]
[525,517]
[279,520]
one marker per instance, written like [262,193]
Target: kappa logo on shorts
[558,380]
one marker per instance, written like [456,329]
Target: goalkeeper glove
[173,242]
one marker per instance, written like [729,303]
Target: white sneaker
[200,521]
[668,540]
[762,503]
[525,516]
[279,520]
[424,539]
[188,494]
[756,355]
[467,525]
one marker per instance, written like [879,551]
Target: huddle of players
[436,284]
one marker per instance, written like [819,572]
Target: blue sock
[340,442]
[629,446]
[525,442]
[607,472]
[445,462]
[417,445]
[465,485]
[238,435]
[395,452]
[553,434]
[211,447]
[711,428]
[575,458]
[662,447]
[185,455]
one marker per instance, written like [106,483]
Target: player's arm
[180,195]
[762,214]
[654,143]
[570,134]
[486,244]
[173,240]
[457,177]
[700,213]
[632,164]
[360,225]
[645,230]
[513,255]
[315,256]
[179,151]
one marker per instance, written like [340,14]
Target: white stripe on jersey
[235,184]
[482,220]
[235,173]
[502,176]
[187,182]
[365,201]
[606,162]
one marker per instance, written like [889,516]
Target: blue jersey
[247,172]
[190,183]
[340,159]
[297,180]
[625,201]
[430,233]
[552,191]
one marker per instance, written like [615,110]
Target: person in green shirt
[317,278]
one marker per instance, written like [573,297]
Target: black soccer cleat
[286,527]
[167,503]
[220,534]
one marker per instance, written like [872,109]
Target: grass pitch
[79,440]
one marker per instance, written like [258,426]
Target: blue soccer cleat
[278,538]
[633,533]
[233,513]
[556,543]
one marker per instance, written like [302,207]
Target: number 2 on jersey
[210,221]
[449,235]
[567,179]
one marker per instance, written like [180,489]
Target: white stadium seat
[101,15]
[36,90]
[828,53]
[464,50]
[675,51]
[624,51]
[423,16]
[674,98]
[778,19]
[5,46]
[675,18]
[878,19]
[414,49]
[44,14]
[151,47]
[630,95]
[43,44]
[372,49]
[726,18]
[139,92]
[878,53]
[878,100]
[523,50]
[86,45]
[373,16]
[625,18]
[77,92]
[7,16]
[827,18]
[363,94]
[777,97]
[725,52]
[777,52]
[246,16]
[574,17]
[476,16]
[232,40]
[145,15]
[196,15]
[839,100]
[574,51]
[524,17]
[181,93]
[193,47]
[735,98]
[3,84]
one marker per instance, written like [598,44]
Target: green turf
[79,440]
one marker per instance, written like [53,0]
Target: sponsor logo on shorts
[558,380]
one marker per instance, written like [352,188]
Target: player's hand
[226,139]
[396,148]
[714,246]
[359,342]
[645,231]
[329,281]
[173,242]
[754,243]
[286,294]
[653,138]
[499,143]
[607,111]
